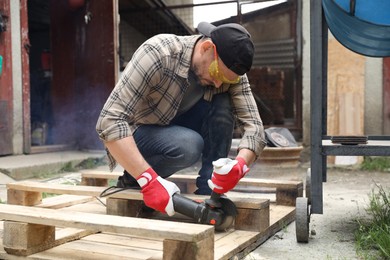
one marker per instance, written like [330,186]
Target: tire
[302,219]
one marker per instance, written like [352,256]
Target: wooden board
[119,246]
[286,184]
[111,245]
[39,187]
[104,223]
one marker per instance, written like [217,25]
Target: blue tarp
[364,29]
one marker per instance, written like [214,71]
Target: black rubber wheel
[308,185]
[302,219]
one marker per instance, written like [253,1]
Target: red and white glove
[157,192]
[227,173]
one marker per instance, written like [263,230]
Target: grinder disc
[229,214]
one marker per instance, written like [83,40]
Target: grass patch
[91,163]
[67,167]
[112,182]
[381,163]
[373,234]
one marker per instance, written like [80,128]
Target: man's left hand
[227,173]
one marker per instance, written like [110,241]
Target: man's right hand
[227,173]
[157,192]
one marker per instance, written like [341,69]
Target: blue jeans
[205,131]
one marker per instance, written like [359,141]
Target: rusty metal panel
[5,133]
[6,82]
[25,76]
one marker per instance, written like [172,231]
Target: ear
[206,45]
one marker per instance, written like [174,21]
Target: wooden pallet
[93,234]
[286,190]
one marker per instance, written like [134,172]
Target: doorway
[71,72]
[40,70]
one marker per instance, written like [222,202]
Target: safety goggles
[216,74]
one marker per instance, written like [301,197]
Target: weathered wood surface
[28,230]
[31,187]
[112,245]
[119,246]
[106,223]
[287,184]
[286,190]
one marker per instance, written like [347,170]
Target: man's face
[218,73]
[211,71]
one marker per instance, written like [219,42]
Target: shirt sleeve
[117,116]
[248,117]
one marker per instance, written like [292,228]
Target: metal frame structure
[321,146]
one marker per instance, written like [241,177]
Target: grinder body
[218,211]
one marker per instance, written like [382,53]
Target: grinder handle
[185,205]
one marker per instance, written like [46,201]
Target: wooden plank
[179,250]
[281,213]
[26,238]
[232,243]
[26,198]
[106,223]
[288,197]
[83,246]
[64,235]
[253,212]
[94,182]
[98,174]
[126,240]
[77,250]
[124,207]
[91,207]
[67,252]
[271,183]
[192,178]
[280,216]
[256,182]
[252,219]
[63,201]
[31,186]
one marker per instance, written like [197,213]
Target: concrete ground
[331,233]
[42,166]
[345,199]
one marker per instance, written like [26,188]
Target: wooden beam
[129,194]
[26,238]
[256,182]
[193,236]
[106,223]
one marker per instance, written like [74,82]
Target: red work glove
[227,173]
[157,192]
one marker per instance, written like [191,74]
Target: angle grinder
[218,211]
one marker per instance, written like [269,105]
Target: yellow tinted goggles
[216,74]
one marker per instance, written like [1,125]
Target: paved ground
[345,199]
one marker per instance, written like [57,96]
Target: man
[178,100]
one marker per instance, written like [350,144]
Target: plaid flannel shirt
[152,86]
